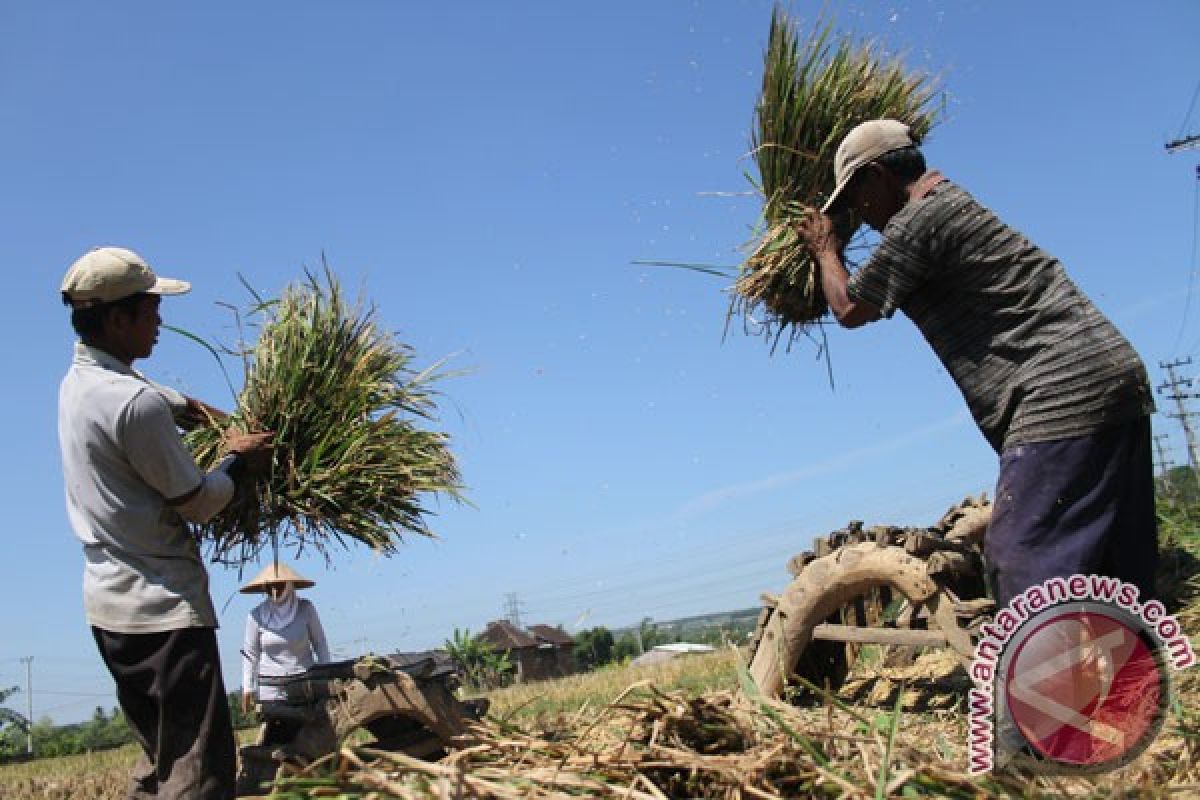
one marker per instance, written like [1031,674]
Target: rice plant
[813,93]
[353,459]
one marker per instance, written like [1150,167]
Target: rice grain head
[813,93]
[354,461]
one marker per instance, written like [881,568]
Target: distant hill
[740,621]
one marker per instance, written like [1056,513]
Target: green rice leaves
[353,459]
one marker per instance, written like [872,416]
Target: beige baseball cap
[106,274]
[862,145]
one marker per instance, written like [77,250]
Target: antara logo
[1072,677]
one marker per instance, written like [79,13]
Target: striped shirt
[1034,358]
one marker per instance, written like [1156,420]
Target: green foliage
[483,667]
[1178,579]
[14,727]
[104,731]
[240,719]
[1179,487]
[626,647]
[593,647]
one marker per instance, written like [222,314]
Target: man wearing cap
[131,488]
[1054,387]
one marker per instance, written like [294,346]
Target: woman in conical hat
[283,634]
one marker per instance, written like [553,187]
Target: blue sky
[487,172]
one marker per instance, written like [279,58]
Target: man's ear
[878,171]
[116,319]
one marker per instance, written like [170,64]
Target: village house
[537,653]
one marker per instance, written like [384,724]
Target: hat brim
[260,586]
[834,203]
[169,286]
[276,574]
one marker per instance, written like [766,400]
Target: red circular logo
[1086,686]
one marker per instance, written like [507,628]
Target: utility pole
[28,661]
[1164,463]
[512,608]
[1186,143]
[1182,414]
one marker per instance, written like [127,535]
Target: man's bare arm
[199,413]
[817,231]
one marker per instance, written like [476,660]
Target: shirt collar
[88,356]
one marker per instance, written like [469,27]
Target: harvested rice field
[687,729]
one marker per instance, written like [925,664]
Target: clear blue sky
[488,172]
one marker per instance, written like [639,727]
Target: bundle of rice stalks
[813,93]
[351,462]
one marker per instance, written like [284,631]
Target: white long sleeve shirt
[293,648]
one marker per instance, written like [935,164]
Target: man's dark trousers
[1082,505]
[170,687]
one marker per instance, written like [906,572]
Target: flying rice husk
[813,93]
[351,462]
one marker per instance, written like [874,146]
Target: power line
[659,596]
[770,544]
[68,704]
[670,577]
[1192,265]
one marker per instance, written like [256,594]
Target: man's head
[114,297]
[873,168]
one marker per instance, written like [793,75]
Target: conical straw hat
[276,573]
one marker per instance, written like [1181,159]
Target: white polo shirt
[122,459]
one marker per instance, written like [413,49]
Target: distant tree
[498,667]
[14,727]
[626,647]
[50,740]
[102,732]
[241,719]
[594,647]
[1180,486]
[469,653]
[483,667]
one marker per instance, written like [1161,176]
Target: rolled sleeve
[146,430]
[897,268]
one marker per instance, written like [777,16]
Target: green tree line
[105,729]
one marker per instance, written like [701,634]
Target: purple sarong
[1082,505]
